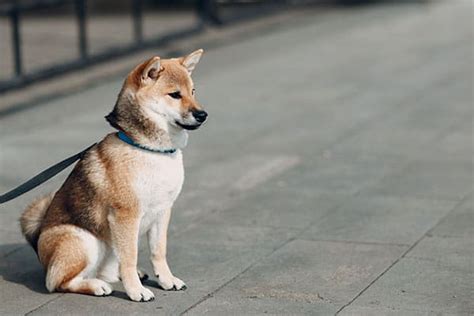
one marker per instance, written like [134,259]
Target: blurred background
[335,172]
[49,37]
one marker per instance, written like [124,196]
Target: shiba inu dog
[86,234]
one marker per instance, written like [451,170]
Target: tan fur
[32,217]
[128,114]
[60,251]
[97,201]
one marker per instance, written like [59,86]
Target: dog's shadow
[19,264]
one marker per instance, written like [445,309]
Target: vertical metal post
[82,28]
[15,26]
[137,16]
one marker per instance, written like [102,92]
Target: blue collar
[129,141]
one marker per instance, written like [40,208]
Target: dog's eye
[175,95]
[194,91]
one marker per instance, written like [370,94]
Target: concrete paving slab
[22,282]
[452,253]
[11,240]
[412,131]
[40,156]
[280,207]
[459,223]
[389,311]
[436,180]
[254,303]
[452,143]
[410,285]
[208,233]
[331,174]
[231,178]
[313,277]
[380,220]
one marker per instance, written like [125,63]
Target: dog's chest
[157,184]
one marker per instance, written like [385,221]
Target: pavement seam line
[401,257]
[459,204]
[211,294]
[12,251]
[44,304]
[295,237]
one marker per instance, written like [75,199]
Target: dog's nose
[200,116]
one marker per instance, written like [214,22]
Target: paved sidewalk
[335,174]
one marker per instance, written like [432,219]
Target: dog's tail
[32,217]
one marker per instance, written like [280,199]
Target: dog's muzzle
[199,116]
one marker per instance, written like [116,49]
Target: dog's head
[160,91]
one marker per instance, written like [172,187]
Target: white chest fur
[157,184]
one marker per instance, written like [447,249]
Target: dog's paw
[141,294]
[101,288]
[171,283]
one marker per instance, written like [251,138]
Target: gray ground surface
[334,174]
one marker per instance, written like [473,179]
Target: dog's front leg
[157,239]
[124,231]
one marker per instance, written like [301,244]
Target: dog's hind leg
[87,286]
[109,270]
[71,257]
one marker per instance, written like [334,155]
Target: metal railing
[205,10]
[208,12]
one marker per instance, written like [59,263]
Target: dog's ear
[151,70]
[190,61]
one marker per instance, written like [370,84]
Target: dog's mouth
[188,127]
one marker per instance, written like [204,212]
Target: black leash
[43,176]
